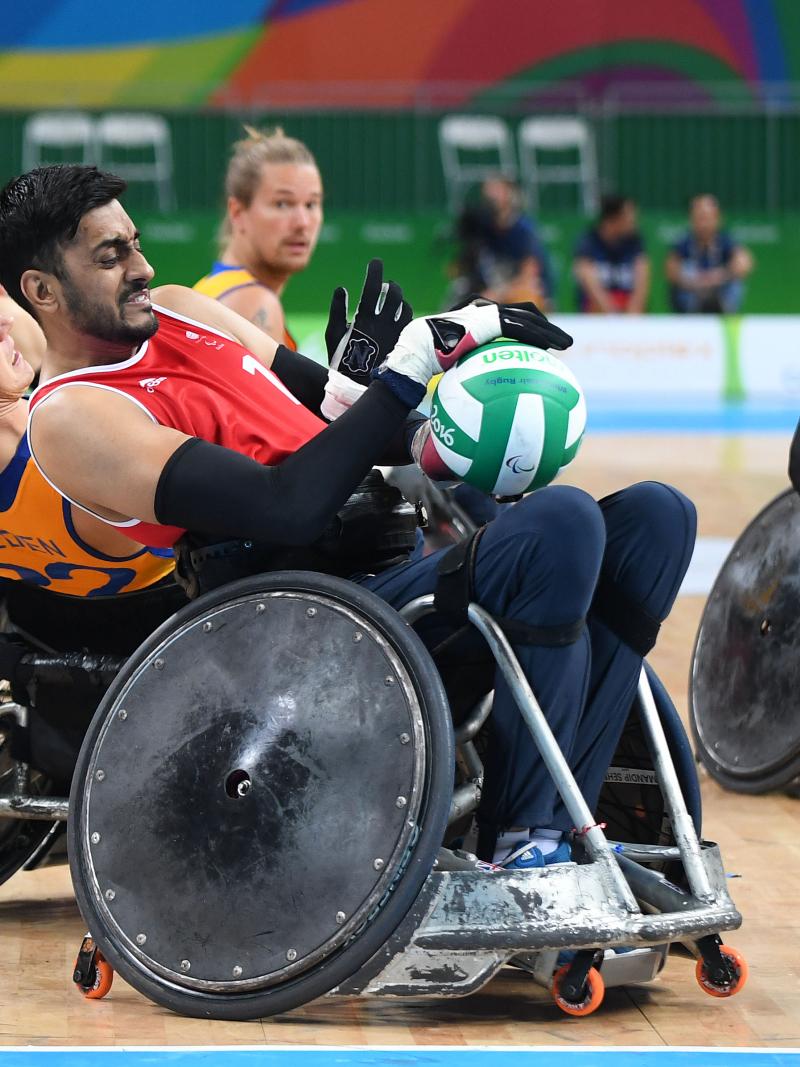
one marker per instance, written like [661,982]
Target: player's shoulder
[247,299]
[179,298]
[222,279]
[258,305]
[75,398]
[100,412]
[188,304]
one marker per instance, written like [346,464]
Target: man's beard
[101,321]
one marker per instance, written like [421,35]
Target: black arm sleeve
[305,379]
[214,491]
[398,452]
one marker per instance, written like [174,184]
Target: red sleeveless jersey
[203,383]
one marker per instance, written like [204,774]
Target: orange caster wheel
[723,986]
[592,997]
[92,974]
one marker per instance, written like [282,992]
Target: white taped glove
[427,346]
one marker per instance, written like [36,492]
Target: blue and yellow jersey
[223,279]
[39,544]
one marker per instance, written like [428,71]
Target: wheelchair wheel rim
[232,970]
[744,681]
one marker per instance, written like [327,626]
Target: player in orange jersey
[274,215]
[43,540]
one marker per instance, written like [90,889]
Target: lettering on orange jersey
[35,544]
[113,580]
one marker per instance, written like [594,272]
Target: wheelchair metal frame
[47,666]
[21,804]
[467,923]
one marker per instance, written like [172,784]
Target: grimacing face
[16,374]
[105,279]
[282,222]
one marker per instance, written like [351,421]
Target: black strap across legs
[624,616]
[454,591]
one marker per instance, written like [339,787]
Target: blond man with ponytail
[273,218]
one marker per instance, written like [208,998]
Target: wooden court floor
[729,478]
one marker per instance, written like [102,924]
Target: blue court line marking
[534,1056]
[733,418]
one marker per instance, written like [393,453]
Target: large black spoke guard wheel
[744,697]
[260,796]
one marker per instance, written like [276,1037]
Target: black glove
[522,322]
[354,348]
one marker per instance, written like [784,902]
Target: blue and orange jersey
[223,279]
[39,544]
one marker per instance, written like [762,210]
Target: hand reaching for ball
[429,345]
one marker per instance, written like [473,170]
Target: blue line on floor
[399,1057]
[722,419]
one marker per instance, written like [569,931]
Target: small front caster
[581,998]
[723,978]
[93,974]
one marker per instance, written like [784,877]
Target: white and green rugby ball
[507,417]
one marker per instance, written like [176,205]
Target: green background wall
[385,195]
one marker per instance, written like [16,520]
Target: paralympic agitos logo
[514,464]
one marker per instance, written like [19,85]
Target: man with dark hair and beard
[179,417]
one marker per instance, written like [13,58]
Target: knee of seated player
[551,544]
[651,530]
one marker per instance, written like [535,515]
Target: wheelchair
[745,673]
[269,801]
[55,683]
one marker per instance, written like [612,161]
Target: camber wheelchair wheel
[260,796]
[743,695]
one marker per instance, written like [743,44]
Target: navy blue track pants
[539,563]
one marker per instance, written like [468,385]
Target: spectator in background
[270,230]
[501,255]
[611,266]
[706,268]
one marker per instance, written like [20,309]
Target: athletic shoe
[527,857]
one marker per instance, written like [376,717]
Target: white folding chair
[538,136]
[483,136]
[119,134]
[57,137]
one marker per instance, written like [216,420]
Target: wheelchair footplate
[564,924]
